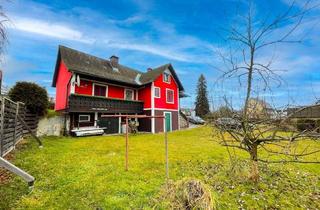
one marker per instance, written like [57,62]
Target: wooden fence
[11,128]
[32,121]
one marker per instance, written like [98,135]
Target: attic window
[166,77]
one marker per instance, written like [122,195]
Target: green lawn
[88,173]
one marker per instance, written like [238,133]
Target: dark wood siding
[159,122]
[74,120]
[111,125]
[145,123]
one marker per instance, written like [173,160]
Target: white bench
[88,131]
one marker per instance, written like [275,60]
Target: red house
[88,86]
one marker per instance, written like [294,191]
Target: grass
[51,113]
[88,173]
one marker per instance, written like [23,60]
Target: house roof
[312,111]
[89,65]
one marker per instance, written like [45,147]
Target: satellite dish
[78,80]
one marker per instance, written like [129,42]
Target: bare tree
[248,40]
[3,39]
[3,32]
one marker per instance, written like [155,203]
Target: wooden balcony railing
[82,103]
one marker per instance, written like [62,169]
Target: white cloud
[156,50]
[81,25]
[50,29]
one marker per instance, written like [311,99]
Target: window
[84,118]
[166,77]
[128,94]
[100,90]
[156,92]
[170,96]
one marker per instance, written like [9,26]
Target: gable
[155,73]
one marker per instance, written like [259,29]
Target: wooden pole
[127,146]
[15,125]
[2,124]
[14,169]
[167,155]
[30,131]
[0,81]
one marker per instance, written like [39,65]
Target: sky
[147,33]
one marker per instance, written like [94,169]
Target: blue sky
[146,33]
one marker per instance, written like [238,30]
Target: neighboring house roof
[86,64]
[305,112]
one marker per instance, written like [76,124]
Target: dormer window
[166,77]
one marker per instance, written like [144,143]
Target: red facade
[115,92]
[85,88]
[62,87]
[144,94]
[161,102]
[118,92]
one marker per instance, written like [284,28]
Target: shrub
[32,95]
[306,124]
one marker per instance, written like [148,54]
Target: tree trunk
[254,176]
[249,84]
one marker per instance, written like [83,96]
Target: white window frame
[155,88]
[168,102]
[84,115]
[169,78]
[94,84]
[127,89]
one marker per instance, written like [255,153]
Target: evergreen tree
[202,103]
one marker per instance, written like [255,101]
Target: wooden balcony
[82,103]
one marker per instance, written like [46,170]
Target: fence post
[2,99]
[15,126]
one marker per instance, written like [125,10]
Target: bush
[306,124]
[32,95]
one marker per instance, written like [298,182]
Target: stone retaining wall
[52,126]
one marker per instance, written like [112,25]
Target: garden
[89,173]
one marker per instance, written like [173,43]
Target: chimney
[114,60]
[149,69]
